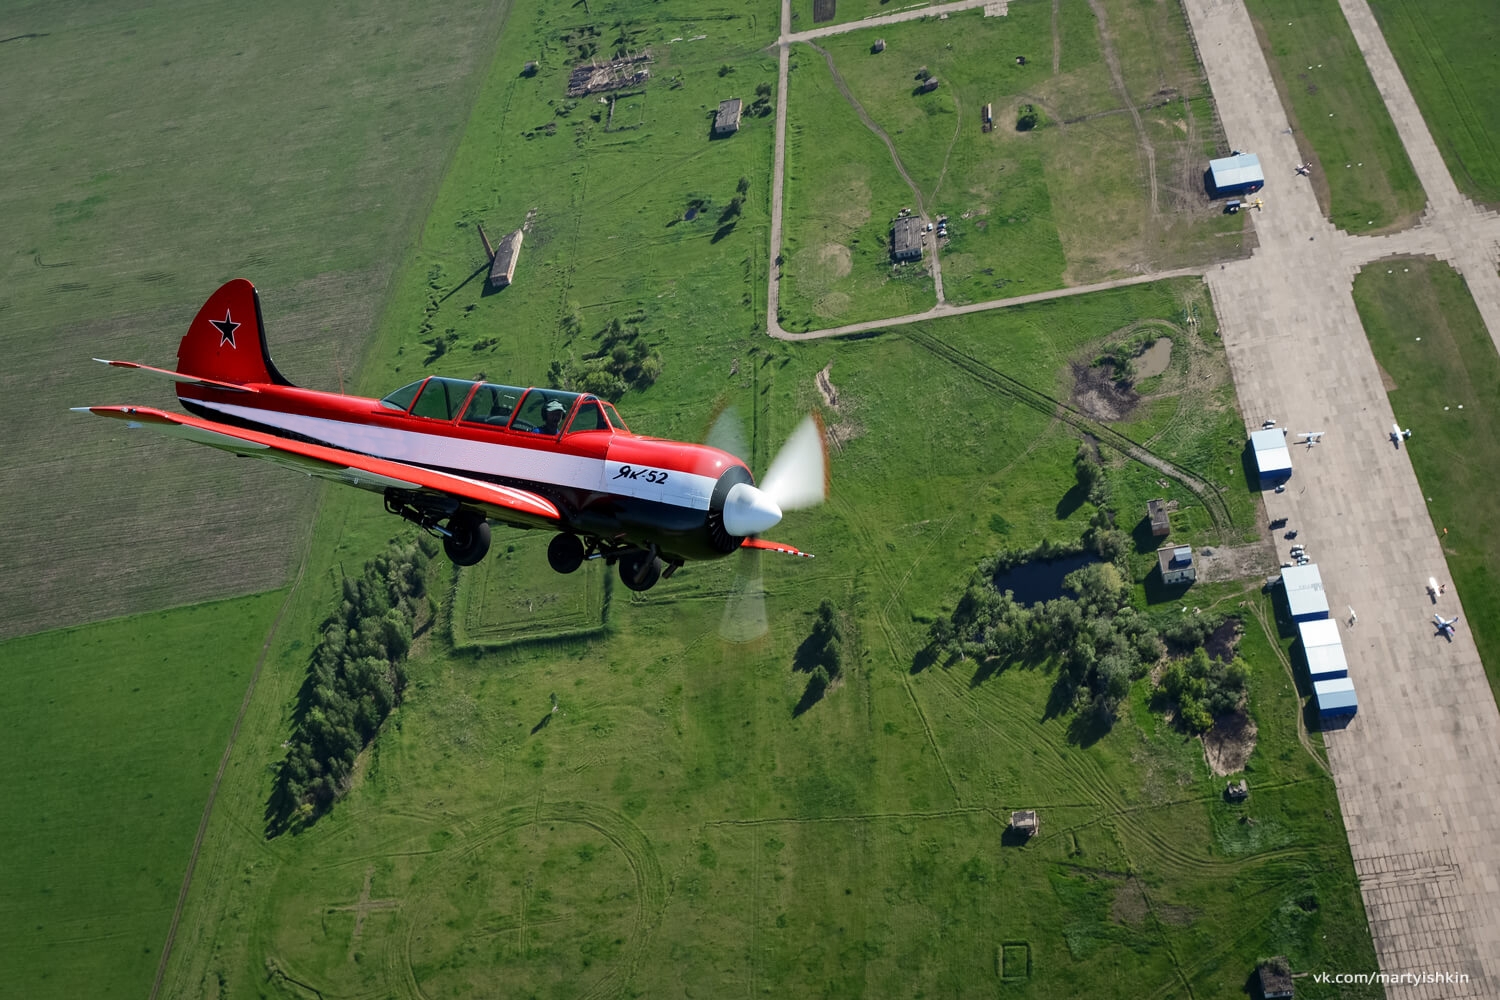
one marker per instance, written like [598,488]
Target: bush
[354,681]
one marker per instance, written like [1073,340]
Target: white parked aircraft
[1445,626]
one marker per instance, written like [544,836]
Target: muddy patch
[1225,640]
[1154,359]
[1241,562]
[1129,904]
[1228,745]
[841,428]
[1097,394]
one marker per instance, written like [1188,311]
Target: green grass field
[677,827]
[1444,383]
[1364,180]
[153,152]
[1073,201]
[114,732]
[1446,54]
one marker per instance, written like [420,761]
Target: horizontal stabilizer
[768,546]
[210,383]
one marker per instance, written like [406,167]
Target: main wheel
[640,570]
[468,540]
[565,553]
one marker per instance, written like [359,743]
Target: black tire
[640,571]
[565,553]
[468,540]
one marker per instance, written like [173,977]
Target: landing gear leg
[641,569]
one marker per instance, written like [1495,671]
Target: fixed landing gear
[565,553]
[640,570]
[466,535]
[467,540]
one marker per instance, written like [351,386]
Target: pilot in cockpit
[552,418]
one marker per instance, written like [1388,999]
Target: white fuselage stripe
[439,451]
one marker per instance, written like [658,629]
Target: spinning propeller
[796,479]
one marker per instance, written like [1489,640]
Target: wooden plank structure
[503,266]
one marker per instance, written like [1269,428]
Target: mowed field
[1443,378]
[1446,53]
[1363,178]
[154,151]
[113,733]
[1108,184]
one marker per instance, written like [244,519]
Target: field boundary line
[234,733]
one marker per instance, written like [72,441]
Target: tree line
[1099,641]
[354,679]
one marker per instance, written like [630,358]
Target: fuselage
[607,482]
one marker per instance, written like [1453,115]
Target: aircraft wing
[502,503]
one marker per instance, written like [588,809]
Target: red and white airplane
[452,455]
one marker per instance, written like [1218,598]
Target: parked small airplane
[1305,169]
[1445,626]
[1397,434]
[1311,438]
[450,455]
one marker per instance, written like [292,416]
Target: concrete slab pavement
[1416,770]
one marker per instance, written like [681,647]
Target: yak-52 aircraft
[451,455]
[1445,626]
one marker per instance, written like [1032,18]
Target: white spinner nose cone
[748,511]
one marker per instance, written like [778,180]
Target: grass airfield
[676,828]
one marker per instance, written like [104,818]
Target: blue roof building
[1304,592]
[1335,698]
[1272,457]
[1324,649]
[1233,175]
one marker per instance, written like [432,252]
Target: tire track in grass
[631,842]
[1207,494]
[1117,76]
[1257,609]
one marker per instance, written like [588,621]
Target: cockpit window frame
[454,398]
[613,416]
[497,394]
[391,402]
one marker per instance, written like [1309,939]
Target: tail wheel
[468,540]
[565,553]
[640,570]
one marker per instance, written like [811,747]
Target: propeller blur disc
[798,476]
[745,611]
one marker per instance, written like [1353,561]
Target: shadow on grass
[1014,838]
[546,721]
[810,696]
[1089,725]
[483,291]
[1158,592]
[926,657]
[1071,501]
[1143,539]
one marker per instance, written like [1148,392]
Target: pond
[1035,582]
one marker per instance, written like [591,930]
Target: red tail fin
[227,340]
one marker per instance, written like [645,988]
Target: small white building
[1176,564]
